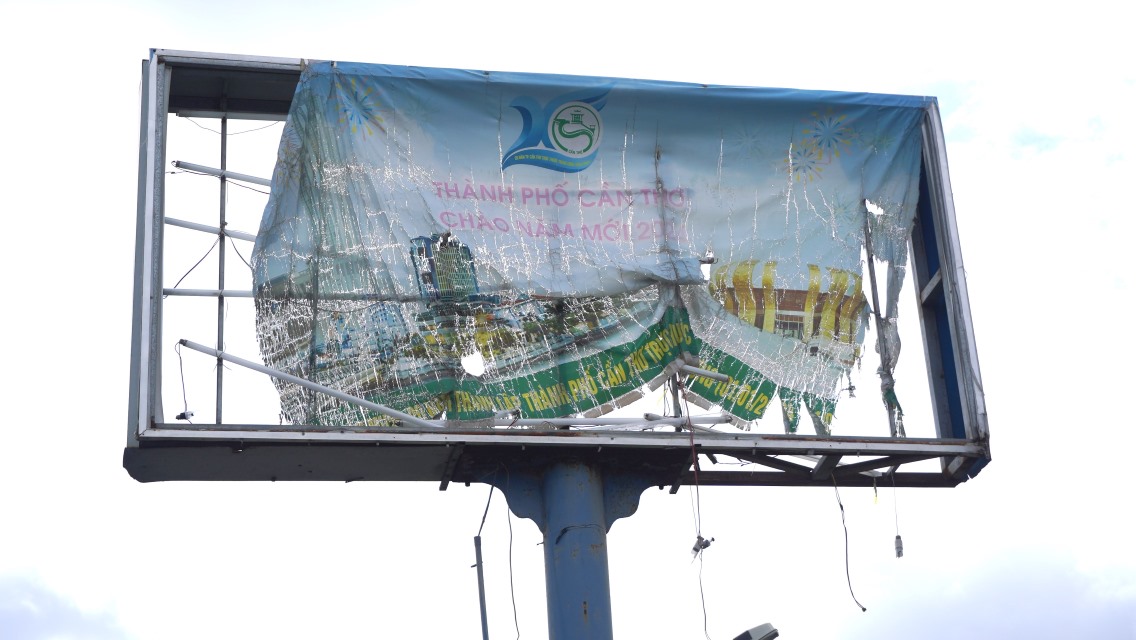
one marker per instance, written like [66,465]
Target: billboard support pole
[574,503]
[575,553]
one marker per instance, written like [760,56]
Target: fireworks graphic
[414,108]
[844,215]
[744,143]
[880,142]
[804,162]
[827,133]
[290,147]
[359,110]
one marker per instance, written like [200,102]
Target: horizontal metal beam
[222,173]
[180,57]
[692,422]
[776,479]
[741,445]
[704,373]
[207,293]
[648,419]
[185,224]
[173,452]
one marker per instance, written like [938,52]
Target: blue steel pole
[575,499]
[575,553]
[481,587]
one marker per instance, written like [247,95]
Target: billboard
[574,236]
[477,268]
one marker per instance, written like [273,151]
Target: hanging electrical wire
[694,459]
[512,590]
[486,513]
[702,593]
[700,543]
[235,133]
[235,183]
[238,252]
[185,414]
[847,569]
[198,263]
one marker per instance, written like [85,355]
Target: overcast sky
[1036,108]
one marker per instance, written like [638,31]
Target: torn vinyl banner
[465,242]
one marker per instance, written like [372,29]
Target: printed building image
[508,331]
[447,283]
[445,269]
[748,290]
[385,327]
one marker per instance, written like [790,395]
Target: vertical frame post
[221,258]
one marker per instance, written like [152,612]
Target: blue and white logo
[563,135]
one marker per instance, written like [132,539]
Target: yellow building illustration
[828,309]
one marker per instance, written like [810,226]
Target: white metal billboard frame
[158,450]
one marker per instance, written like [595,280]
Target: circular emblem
[575,128]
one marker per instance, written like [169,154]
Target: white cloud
[1029,593]
[29,611]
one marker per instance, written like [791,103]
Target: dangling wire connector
[895,503]
[700,545]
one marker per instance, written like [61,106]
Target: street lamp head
[760,632]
